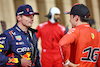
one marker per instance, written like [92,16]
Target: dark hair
[84,19]
[82,11]
[91,22]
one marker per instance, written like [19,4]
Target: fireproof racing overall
[50,35]
[16,44]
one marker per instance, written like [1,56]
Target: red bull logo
[13,60]
[27,56]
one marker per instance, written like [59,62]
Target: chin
[29,25]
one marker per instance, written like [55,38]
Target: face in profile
[57,17]
[72,20]
[26,20]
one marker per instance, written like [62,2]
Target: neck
[22,27]
[82,23]
[52,20]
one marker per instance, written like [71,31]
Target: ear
[76,17]
[18,17]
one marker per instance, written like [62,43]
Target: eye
[28,16]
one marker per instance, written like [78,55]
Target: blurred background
[8,11]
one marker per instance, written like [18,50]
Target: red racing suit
[50,34]
[85,45]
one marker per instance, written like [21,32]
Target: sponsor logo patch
[1,38]
[92,35]
[18,38]
[23,49]
[0,50]
[13,60]
[1,46]
[19,43]
[14,33]
[2,42]
[27,9]
[27,56]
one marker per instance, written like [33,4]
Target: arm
[65,43]
[98,61]
[25,62]
[6,56]
[68,63]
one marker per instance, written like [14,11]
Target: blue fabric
[25,10]
[14,42]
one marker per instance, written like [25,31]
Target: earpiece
[49,15]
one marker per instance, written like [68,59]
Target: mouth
[57,20]
[31,22]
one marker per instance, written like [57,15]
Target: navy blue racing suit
[16,44]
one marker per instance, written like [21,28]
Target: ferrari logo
[92,35]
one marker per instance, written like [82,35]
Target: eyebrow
[57,14]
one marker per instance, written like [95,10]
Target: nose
[58,16]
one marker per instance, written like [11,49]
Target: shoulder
[73,30]
[43,24]
[7,33]
[62,27]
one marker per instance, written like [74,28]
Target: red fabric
[50,34]
[85,45]
[98,62]
[51,58]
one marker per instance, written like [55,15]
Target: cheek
[71,20]
[25,20]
